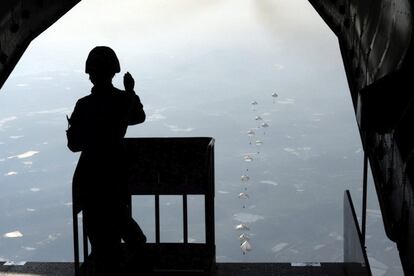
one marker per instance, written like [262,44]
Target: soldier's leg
[139,260]
[104,236]
[131,232]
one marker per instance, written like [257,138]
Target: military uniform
[97,127]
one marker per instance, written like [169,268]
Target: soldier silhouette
[97,127]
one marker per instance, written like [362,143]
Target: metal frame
[355,255]
[168,166]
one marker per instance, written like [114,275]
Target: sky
[198,66]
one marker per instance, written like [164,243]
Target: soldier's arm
[74,132]
[136,113]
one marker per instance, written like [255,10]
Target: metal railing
[168,166]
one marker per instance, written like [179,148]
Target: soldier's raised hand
[129,82]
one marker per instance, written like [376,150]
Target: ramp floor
[223,269]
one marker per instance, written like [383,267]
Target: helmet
[102,59]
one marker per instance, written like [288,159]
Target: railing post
[75,241]
[85,240]
[364,198]
[157,212]
[185,219]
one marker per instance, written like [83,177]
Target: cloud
[61,110]
[178,129]
[14,234]
[10,173]
[246,217]
[155,117]
[286,101]
[6,120]
[280,246]
[27,154]
[270,182]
